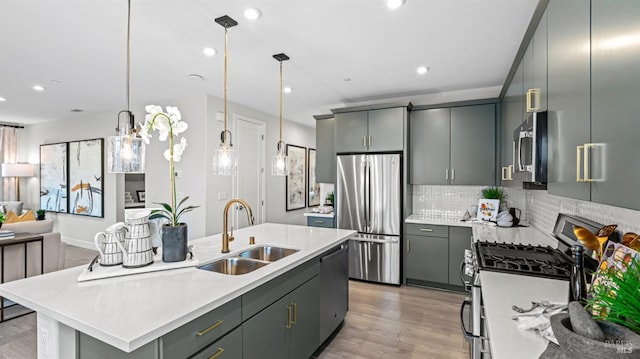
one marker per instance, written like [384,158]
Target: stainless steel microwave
[530,144]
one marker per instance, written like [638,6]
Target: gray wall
[196,180]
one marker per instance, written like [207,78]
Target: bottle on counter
[578,279]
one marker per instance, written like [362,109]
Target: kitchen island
[131,314]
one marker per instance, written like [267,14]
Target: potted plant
[41,214]
[493,192]
[330,198]
[169,124]
[2,218]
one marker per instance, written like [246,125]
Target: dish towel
[537,318]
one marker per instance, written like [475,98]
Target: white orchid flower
[152,109]
[178,149]
[144,132]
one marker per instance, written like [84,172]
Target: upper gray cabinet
[370,131]
[539,48]
[453,145]
[325,152]
[569,96]
[613,156]
[512,116]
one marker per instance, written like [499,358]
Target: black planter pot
[174,243]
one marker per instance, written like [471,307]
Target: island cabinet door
[91,348]
[305,328]
[266,335]
[230,346]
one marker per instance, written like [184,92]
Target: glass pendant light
[126,148]
[224,157]
[279,161]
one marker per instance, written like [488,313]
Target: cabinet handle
[533,100]
[446,174]
[214,326]
[370,141]
[578,160]
[504,176]
[510,170]
[288,317]
[318,221]
[364,141]
[217,353]
[295,313]
[408,245]
[453,174]
[426,230]
[587,162]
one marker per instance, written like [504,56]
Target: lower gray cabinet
[288,328]
[228,347]
[426,258]
[434,254]
[459,240]
[92,348]
[321,222]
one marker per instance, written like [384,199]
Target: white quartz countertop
[128,312]
[500,291]
[419,219]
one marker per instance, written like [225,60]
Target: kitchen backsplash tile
[543,208]
[444,202]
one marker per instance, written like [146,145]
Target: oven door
[473,324]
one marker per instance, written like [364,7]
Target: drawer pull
[214,326]
[318,221]
[295,313]
[426,230]
[288,317]
[217,353]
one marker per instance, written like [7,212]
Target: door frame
[263,182]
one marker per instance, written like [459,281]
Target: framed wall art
[296,196]
[53,177]
[313,187]
[86,165]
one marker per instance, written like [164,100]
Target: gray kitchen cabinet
[473,145]
[288,328]
[613,154]
[386,129]
[540,61]
[91,348]
[228,347]
[569,94]
[325,152]
[426,253]
[370,131]
[459,241]
[351,131]
[453,145]
[313,221]
[512,116]
[527,75]
[430,139]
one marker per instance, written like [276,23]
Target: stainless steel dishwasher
[334,292]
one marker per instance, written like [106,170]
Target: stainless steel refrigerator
[368,199]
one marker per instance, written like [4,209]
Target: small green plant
[493,192]
[2,217]
[616,297]
[330,197]
[41,213]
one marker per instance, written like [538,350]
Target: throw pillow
[12,217]
[3,209]
[14,206]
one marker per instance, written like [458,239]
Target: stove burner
[524,259]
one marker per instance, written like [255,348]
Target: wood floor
[383,322]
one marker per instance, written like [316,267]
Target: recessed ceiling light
[347,79]
[394,4]
[3,99]
[38,88]
[287,89]
[76,110]
[422,70]
[252,13]
[209,51]
[195,77]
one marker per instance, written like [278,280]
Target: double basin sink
[248,261]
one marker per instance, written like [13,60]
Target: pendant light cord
[128,56]
[225,87]
[279,143]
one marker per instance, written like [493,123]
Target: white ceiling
[77,50]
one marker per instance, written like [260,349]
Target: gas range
[523,259]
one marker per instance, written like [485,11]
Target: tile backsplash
[539,208]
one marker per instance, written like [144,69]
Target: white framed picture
[488,209]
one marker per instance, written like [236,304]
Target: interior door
[249,181]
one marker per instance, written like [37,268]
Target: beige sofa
[54,250]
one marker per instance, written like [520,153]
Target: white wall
[196,180]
